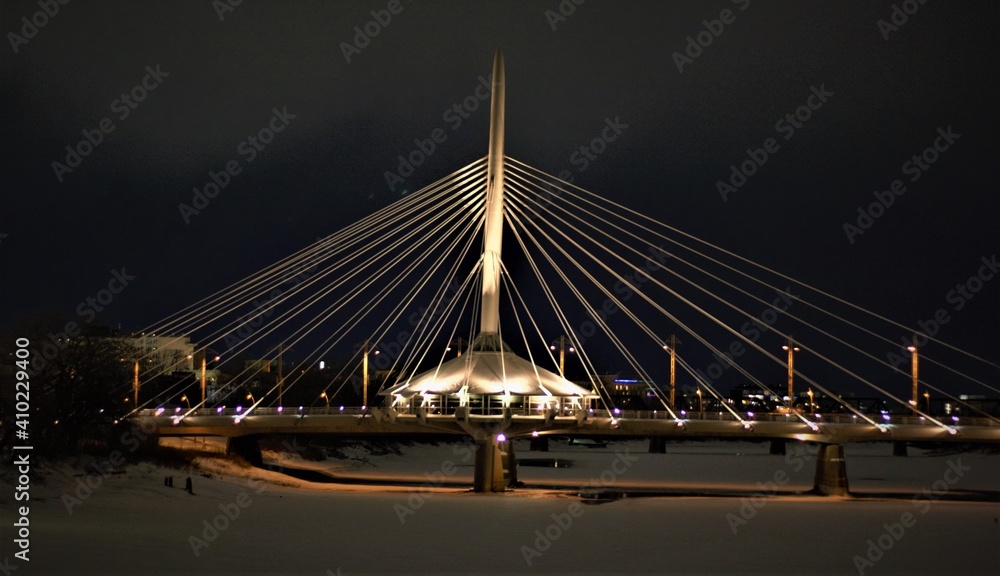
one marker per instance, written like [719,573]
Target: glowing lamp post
[367,348]
[791,348]
[915,372]
[458,343]
[671,346]
[204,371]
[563,345]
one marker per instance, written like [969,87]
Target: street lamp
[927,397]
[812,406]
[671,346]
[459,343]
[325,398]
[563,344]
[281,373]
[368,348]
[184,399]
[701,406]
[250,398]
[135,385]
[915,372]
[204,363]
[791,348]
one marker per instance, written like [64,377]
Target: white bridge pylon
[578,248]
[490,373]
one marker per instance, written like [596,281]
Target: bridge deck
[834,429]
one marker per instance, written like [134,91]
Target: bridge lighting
[237,420]
[501,437]
[747,426]
[952,431]
[885,416]
[614,423]
[563,345]
[749,414]
[954,419]
[239,409]
[915,373]
[341,408]
[281,409]
[159,410]
[534,433]
[176,420]
[177,409]
[791,348]
[218,410]
[680,424]
[617,411]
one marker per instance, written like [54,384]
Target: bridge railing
[618,414]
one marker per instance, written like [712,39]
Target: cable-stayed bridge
[428,271]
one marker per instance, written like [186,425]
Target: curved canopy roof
[489,372]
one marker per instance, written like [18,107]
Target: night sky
[213,78]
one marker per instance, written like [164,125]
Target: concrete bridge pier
[540,444]
[495,464]
[777,447]
[657,444]
[831,471]
[246,447]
